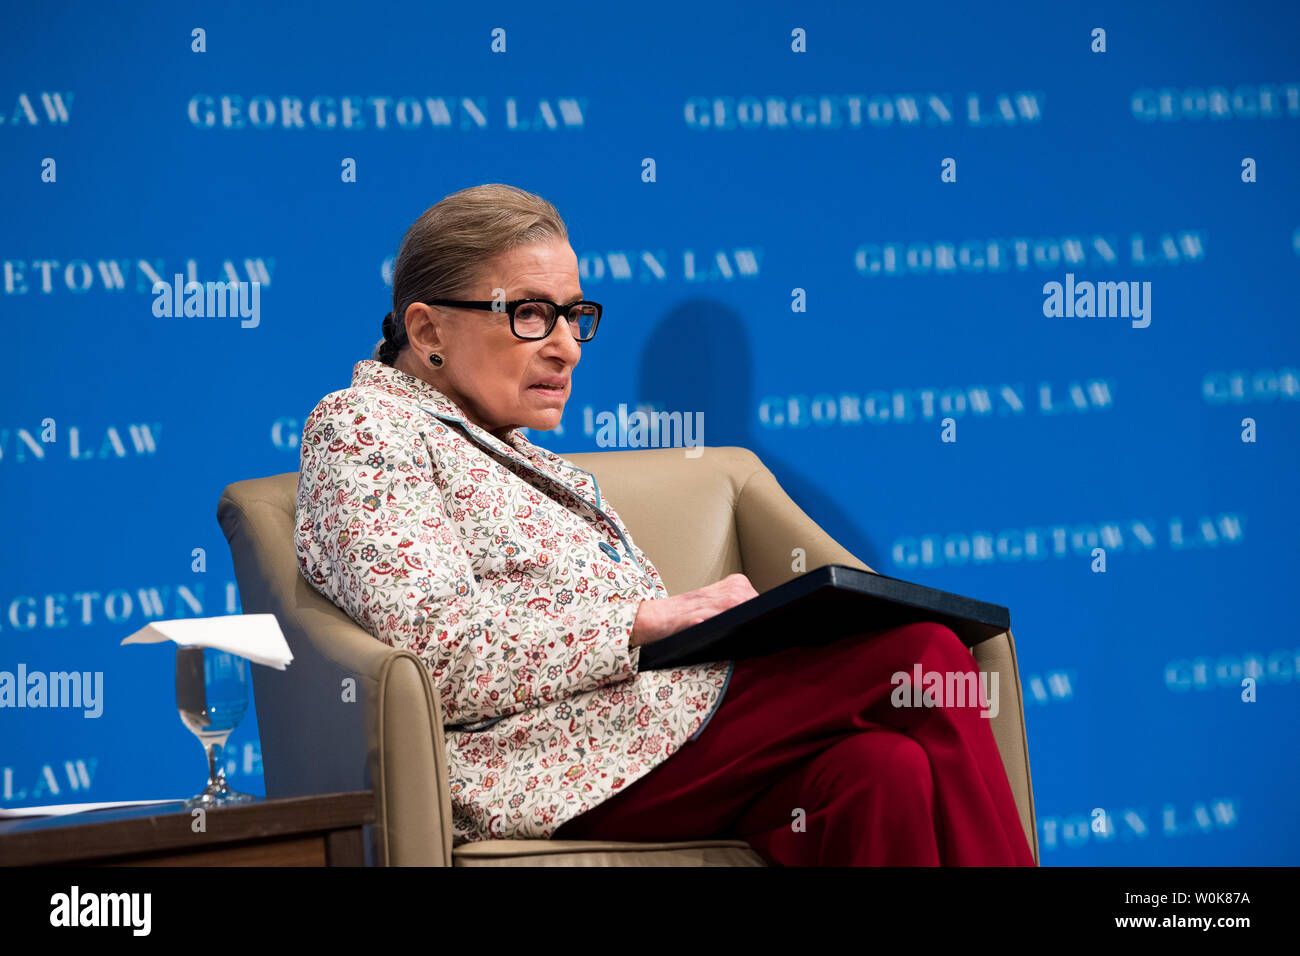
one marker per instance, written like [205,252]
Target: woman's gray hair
[443,253]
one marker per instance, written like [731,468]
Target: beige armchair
[698,519]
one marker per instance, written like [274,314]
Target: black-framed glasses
[535,318]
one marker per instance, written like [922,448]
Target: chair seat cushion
[605,853]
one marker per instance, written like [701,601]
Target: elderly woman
[425,514]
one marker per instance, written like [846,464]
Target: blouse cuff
[622,617]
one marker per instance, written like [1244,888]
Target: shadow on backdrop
[699,358]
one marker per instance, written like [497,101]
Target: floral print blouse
[506,571]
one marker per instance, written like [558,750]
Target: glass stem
[216,778]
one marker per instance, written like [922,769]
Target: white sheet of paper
[255,636]
[59,809]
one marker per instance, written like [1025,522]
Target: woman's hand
[658,619]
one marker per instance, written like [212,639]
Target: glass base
[218,795]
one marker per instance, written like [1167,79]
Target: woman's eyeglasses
[535,318]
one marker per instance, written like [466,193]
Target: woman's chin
[544,419]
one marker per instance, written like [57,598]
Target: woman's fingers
[670,615]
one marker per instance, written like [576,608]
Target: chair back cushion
[681,511]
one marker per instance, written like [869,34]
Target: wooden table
[323,830]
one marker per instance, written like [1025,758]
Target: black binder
[821,607]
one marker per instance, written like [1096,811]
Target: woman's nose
[563,336]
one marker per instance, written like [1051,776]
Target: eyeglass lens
[532,319]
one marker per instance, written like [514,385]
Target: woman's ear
[424,328]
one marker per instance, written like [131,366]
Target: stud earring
[435,360]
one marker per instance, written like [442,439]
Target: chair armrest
[406,745]
[341,641]
[998,654]
[321,733]
[770,526]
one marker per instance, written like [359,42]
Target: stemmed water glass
[212,697]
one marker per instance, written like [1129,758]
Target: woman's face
[489,372]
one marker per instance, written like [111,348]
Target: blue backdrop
[828,229]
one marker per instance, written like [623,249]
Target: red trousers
[807,759]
